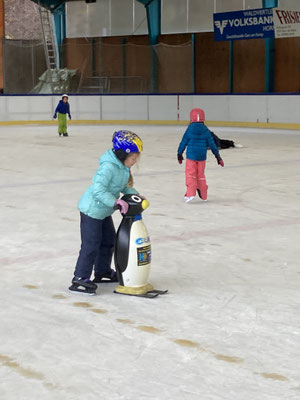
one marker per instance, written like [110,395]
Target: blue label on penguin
[140,241]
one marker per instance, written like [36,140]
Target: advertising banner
[286,23]
[247,24]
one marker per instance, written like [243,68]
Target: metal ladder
[49,39]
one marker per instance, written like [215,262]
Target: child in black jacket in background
[224,143]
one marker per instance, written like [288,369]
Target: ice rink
[229,328]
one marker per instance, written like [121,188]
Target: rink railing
[267,111]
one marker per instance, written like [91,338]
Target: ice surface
[229,328]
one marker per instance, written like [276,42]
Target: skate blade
[81,291]
[158,292]
[147,294]
[151,294]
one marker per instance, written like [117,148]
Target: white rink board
[162,108]
[223,108]
[124,107]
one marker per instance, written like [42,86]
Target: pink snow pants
[195,178]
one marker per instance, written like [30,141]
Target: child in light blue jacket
[96,206]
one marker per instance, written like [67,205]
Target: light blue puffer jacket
[110,179]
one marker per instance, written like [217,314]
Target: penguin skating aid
[133,251]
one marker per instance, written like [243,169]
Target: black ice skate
[106,278]
[83,286]
[65,134]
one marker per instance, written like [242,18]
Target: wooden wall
[287,65]
[112,57]
[174,60]
[107,54]
[249,66]
[211,64]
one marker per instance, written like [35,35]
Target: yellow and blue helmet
[127,141]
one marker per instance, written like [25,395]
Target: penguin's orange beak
[145,204]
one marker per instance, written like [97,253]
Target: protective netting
[98,67]
[175,68]
[23,64]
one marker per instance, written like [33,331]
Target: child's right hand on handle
[54,116]
[180,158]
[122,206]
[220,161]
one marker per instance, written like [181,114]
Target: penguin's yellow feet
[137,290]
[142,291]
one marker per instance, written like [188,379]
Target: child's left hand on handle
[122,206]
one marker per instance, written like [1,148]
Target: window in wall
[289,4]
[174,16]
[229,5]
[200,15]
[88,20]
[76,19]
[140,26]
[252,4]
[121,17]
[99,19]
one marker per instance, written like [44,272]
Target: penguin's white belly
[139,258]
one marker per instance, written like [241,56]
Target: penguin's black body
[133,251]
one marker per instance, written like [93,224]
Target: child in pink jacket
[197,139]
